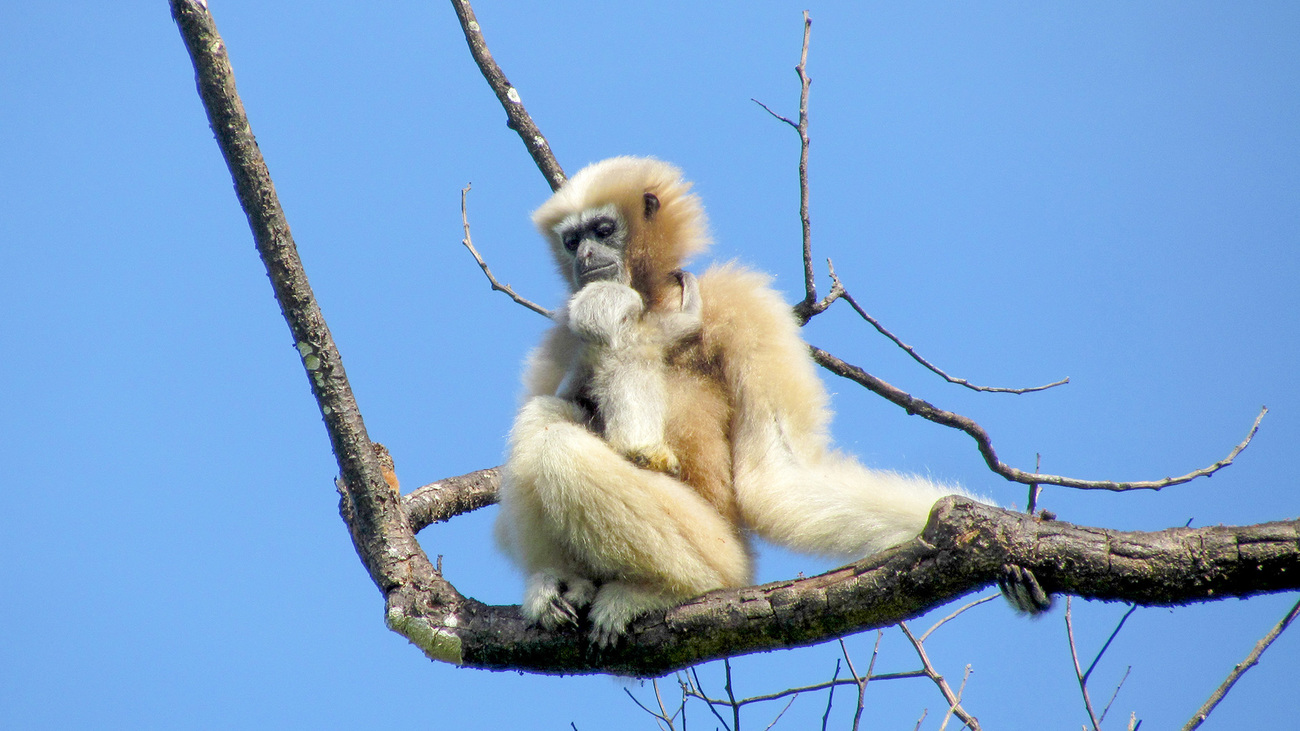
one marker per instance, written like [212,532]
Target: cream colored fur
[733,394]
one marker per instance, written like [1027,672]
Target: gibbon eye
[604,229]
[571,242]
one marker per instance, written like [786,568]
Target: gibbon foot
[1022,590]
[553,602]
[615,606]
[659,459]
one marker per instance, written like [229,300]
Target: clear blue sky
[1021,191]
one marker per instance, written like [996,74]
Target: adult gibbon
[667,418]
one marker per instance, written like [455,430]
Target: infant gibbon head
[627,219]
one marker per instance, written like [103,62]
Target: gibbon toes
[616,605]
[554,603]
[1022,590]
[659,459]
[579,593]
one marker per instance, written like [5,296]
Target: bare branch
[862,682]
[830,696]
[1079,675]
[496,286]
[965,676]
[927,364]
[809,306]
[445,499]
[1115,695]
[930,412]
[371,508]
[735,708]
[518,118]
[774,114]
[1240,669]
[810,287]
[954,703]
[782,713]
[1105,646]
[956,614]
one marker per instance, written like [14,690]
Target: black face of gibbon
[598,245]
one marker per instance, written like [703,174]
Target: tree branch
[962,549]
[518,118]
[496,286]
[375,518]
[1240,669]
[843,292]
[930,412]
[443,500]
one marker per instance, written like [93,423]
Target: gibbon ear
[651,205]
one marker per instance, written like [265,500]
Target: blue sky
[1023,192]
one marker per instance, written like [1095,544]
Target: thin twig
[862,682]
[954,703]
[810,287]
[960,690]
[699,687]
[518,118]
[830,697]
[1240,669]
[955,614]
[642,706]
[496,286]
[930,412]
[809,306]
[805,689]
[1078,672]
[1115,695]
[927,364]
[1088,673]
[735,707]
[1033,486]
[782,713]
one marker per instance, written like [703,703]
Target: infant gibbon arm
[619,372]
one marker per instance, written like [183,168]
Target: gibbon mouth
[603,271]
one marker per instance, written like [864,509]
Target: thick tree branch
[962,549]
[931,412]
[378,525]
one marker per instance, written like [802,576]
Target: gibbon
[667,418]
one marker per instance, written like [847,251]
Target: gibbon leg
[573,508]
[798,494]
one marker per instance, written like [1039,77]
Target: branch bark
[372,510]
[961,550]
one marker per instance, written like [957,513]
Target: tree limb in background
[518,117]
[496,286]
[809,306]
[371,508]
[1251,660]
[930,412]
[927,364]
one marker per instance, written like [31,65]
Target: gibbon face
[596,240]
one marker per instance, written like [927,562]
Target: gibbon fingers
[666,418]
